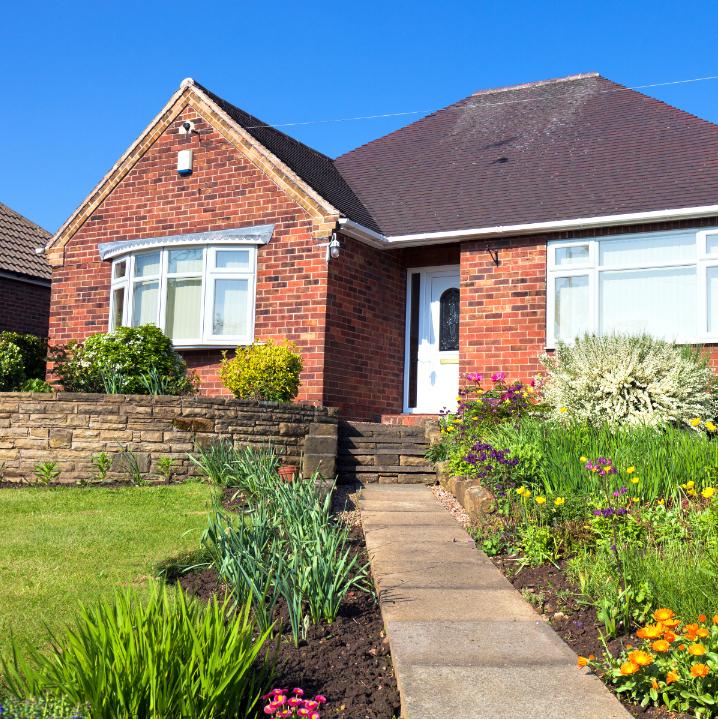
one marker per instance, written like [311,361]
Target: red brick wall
[503,309]
[364,374]
[225,190]
[24,307]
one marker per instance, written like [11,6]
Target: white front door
[433,346]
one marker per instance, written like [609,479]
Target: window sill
[211,346]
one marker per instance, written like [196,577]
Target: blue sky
[82,79]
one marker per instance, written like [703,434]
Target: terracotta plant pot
[288,472]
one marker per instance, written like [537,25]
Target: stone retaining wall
[69,428]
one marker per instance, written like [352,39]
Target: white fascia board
[431,238]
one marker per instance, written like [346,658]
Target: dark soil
[348,661]
[552,594]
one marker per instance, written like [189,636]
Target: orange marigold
[650,631]
[669,636]
[691,631]
[715,619]
[700,670]
[661,646]
[643,659]
[654,684]
[629,668]
[696,650]
[703,632]
[671,677]
[661,615]
[701,617]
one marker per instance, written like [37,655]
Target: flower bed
[620,518]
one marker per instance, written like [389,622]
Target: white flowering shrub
[629,380]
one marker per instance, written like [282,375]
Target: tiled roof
[18,239]
[577,147]
[316,169]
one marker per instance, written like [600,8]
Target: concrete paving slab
[464,642]
[398,534]
[372,519]
[498,643]
[450,575]
[420,604]
[521,692]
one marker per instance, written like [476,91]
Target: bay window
[661,283]
[198,295]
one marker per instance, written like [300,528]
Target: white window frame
[592,269]
[208,274]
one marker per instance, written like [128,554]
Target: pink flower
[314,715]
[269,709]
[310,704]
[299,692]
[498,376]
[320,698]
[474,377]
[294,702]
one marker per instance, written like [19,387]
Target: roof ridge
[537,83]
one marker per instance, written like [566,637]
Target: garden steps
[385,453]
[463,640]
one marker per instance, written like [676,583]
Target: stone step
[395,468]
[404,450]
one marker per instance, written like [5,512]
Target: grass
[61,545]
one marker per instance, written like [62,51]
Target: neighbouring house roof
[315,168]
[18,239]
[577,147]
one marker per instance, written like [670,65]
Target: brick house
[24,275]
[471,240]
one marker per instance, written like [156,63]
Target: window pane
[647,250]
[571,318]
[185,260]
[230,307]
[118,307]
[712,290]
[119,269]
[144,303]
[567,256]
[661,302]
[712,244]
[232,259]
[147,265]
[449,320]
[184,302]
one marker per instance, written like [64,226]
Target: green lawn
[58,546]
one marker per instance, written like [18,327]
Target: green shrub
[35,385]
[33,350]
[629,380]
[40,709]
[12,370]
[167,657]
[128,360]
[263,372]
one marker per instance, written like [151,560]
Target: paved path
[463,641]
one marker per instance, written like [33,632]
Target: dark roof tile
[578,147]
[18,239]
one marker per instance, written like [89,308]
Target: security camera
[186,127]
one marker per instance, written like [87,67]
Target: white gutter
[425,238]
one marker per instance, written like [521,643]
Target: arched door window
[449,320]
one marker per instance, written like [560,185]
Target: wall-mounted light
[494,256]
[334,248]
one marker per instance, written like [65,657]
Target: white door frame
[407,323]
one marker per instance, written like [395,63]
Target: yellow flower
[697,650]
[527,494]
[635,480]
[692,493]
[671,677]
[663,614]
[661,501]
[635,500]
[630,470]
[688,485]
[540,500]
[559,501]
[694,422]
[583,459]
[521,490]
[710,426]
[708,492]
[563,410]
[661,646]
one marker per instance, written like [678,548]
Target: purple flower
[498,376]
[474,377]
